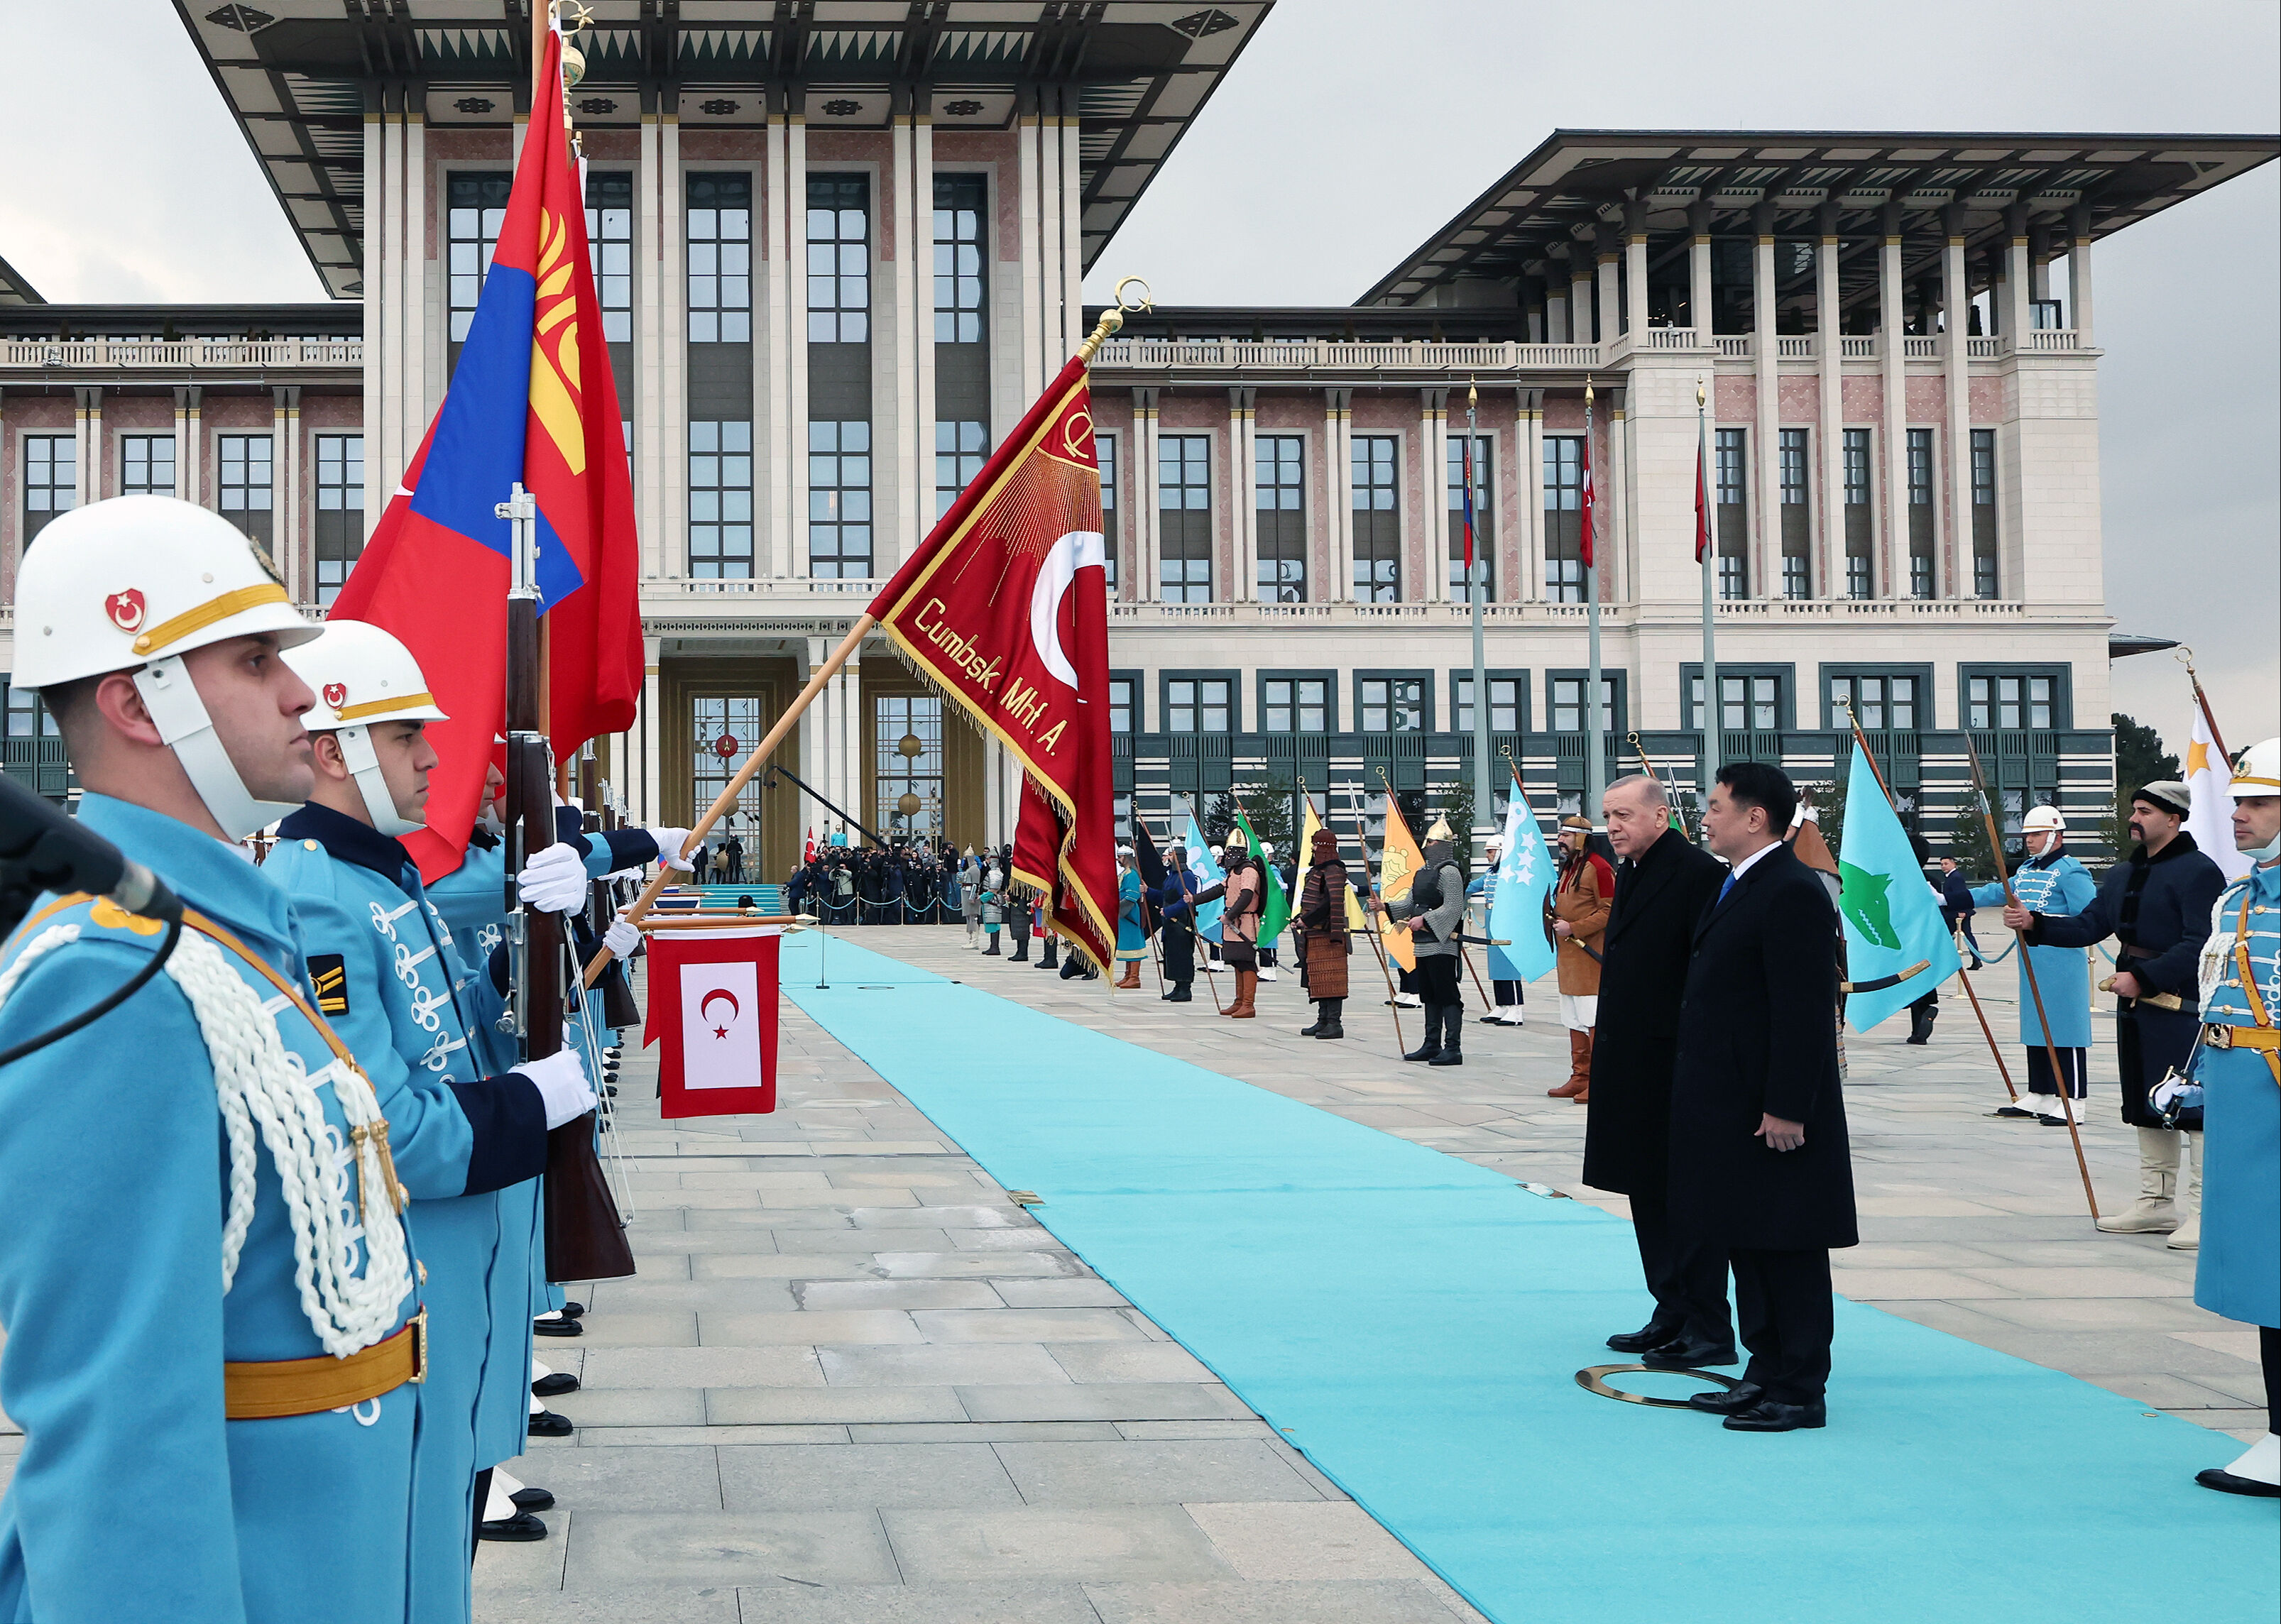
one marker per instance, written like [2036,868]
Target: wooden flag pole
[2059,1078]
[1376,946]
[726,802]
[1870,756]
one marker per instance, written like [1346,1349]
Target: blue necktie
[1723,889]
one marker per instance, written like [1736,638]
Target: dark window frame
[1833,671]
[1563,495]
[1987,524]
[1135,682]
[961,266]
[61,497]
[348,545]
[475,207]
[721,525]
[1374,569]
[845,315]
[1280,513]
[1730,456]
[1264,708]
[1614,676]
[1106,452]
[609,249]
[1168,706]
[1857,470]
[1783,675]
[1516,674]
[1179,524]
[2062,698]
[1362,682]
[840,506]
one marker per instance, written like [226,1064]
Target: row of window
[1751,699]
[245,480]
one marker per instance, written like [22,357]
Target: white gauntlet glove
[621,938]
[563,1086]
[554,880]
[669,842]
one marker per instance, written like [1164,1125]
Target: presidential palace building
[839,245]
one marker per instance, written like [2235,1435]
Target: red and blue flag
[531,400]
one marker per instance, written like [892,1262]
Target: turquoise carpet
[1413,1323]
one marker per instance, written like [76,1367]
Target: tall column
[1582,328]
[1243,482]
[1148,528]
[1954,454]
[921,214]
[653,202]
[383,439]
[280,515]
[652,803]
[1615,564]
[288,526]
[1609,303]
[1557,329]
[1701,312]
[188,463]
[853,767]
[671,447]
[783,334]
[1830,557]
[1070,220]
[1635,270]
[411,278]
[1025,147]
[794,440]
[2079,275]
[185,489]
[811,725]
[376,487]
[87,431]
[1765,459]
[2018,287]
[1529,442]
[1432,502]
[1338,484]
[1891,578]
[906,460]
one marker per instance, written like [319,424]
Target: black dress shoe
[532,1500]
[1741,1395]
[1772,1415]
[521,1528]
[1680,1354]
[1640,1341]
[572,1310]
[557,1327]
[2226,1483]
[547,1424]
[554,1384]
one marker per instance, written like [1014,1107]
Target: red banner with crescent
[713,1012]
[1004,609]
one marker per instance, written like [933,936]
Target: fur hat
[2169,794]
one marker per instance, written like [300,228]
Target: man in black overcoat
[1661,891]
[1759,1154]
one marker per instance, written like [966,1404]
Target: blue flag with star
[1892,922]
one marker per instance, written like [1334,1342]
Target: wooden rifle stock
[585,1239]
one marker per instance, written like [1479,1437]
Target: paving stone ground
[854,1382]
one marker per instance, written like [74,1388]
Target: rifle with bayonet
[586,1240]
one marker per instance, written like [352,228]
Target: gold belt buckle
[420,1346]
[2218,1036]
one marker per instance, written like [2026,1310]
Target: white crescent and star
[1078,550]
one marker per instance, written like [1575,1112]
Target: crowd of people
[908,882]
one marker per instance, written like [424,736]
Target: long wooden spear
[2059,1078]
[1376,946]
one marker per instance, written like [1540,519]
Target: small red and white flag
[713,1007]
[1702,503]
[807,849]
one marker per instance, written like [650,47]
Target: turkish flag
[1004,609]
[713,1007]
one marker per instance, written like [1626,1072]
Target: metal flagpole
[1595,748]
[1484,809]
[1710,547]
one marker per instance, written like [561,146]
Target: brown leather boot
[1578,1087]
[1131,978]
[1247,986]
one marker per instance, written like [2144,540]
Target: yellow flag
[1398,862]
[1356,920]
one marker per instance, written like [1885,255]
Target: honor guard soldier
[383,958]
[2050,883]
[202,1443]
[2239,1065]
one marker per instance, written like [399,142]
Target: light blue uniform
[407,1008]
[2238,1272]
[2054,884]
[135,1499]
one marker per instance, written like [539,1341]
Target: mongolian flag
[713,1007]
[1584,533]
[1466,447]
[1004,609]
[531,400]
[1702,501]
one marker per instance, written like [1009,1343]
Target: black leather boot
[1453,1027]
[1321,1015]
[1334,1026]
[1432,1046]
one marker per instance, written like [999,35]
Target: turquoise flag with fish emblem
[1892,921]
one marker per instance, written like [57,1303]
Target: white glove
[555,880]
[563,1086]
[621,938]
[669,842]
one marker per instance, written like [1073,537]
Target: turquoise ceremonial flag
[1208,873]
[1893,923]
[1525,873]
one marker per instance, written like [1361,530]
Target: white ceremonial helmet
[133,584]
[2042,818]
[362,675]
[2259,771]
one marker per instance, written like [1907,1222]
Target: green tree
[1458,807]
[1828,802]
[1967,843]
[2139,759]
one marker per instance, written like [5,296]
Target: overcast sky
[1350,129]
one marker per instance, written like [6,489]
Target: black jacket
[1956,897]
[1642,970]
[1757,1035]
[2158,909]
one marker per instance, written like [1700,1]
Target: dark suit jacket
[1659,896]
[1758,1033]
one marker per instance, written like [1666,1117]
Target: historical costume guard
[1175,902]
[1759,1162]
[2239,1065]
[2050,883]
[1132,930]
[1579,902]
[2156,904]
[214,1332]
[1245,893]
[1323,941]
[1661,895]
[1435,910]
[1506,982]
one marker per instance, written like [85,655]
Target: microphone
[43,849]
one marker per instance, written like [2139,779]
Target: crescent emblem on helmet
[336,695]
[124,609]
